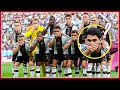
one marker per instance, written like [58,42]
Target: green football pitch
[7,72]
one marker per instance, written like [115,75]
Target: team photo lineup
[58,44]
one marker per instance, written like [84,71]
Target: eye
[94,40]
[89,40]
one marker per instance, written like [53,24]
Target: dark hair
[57,27]
[67,15]
[52,17]
[40,33]
[94,31]
[74,31]
[86,14]
[21,35]
[17,22]
[35,20]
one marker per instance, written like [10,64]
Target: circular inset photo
[94,41]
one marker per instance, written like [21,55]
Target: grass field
[7,72]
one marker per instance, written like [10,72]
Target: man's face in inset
[92,40]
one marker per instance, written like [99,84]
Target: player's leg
[76,68]
[65,67]
[16,66]
[108,65]
[38,63]
[65,60]
[98,70]
[47,65]
[31,64]
[59,68]
[94,70]
[104,68]
[25,68]
[84,67]
[54,64]
[89,70]
[69,70]
[13,61]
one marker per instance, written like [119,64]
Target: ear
[101,40]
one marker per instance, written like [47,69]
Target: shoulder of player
[41,27]
[64,35]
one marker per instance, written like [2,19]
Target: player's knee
[104,68]
[17,64]
[90,66]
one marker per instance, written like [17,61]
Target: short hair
[35,19]
[68,15]
[21,35]
[57,27]
[94,31]
[17,22]
[74,31]
[52,17]
[40,33]
[86,14]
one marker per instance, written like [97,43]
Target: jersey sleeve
[29,32]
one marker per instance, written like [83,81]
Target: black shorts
[94,60]
[21,59]
[14,57]
[73,57]
[60,57]
[108,56]
[51,56]
[43,58]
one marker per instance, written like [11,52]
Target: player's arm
[86,50]
[9,36]
[50,44]
[45,30]
[67,44]
[28,33]
[89,49]
[81,27]
[16,49]
[33,46]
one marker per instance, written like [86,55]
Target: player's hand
[105,44]
[74,38]
[31,63]
[93,47]
[57,35]
[21,44]
[39,39]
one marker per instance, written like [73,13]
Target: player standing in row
[31,33]
[73,57]
[58,41]
[42,53]
[67,29]
[85,22]
[22,48]
[48,32]
[17,30]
